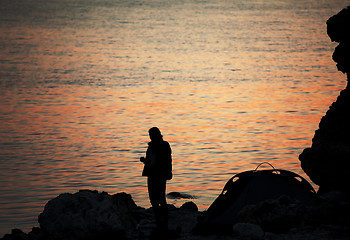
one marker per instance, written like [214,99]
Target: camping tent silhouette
[252,187]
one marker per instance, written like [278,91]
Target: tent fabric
[252,187]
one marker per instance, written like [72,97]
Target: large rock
[286,215]
[275,215]
[328,160]
[248,231]
[89,215]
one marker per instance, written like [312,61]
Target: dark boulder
[190,205]
[16,234]
[89,215]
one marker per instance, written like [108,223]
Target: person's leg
[154,197]
[153,191]
[156,191]
[163,204]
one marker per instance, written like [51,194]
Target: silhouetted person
[158,169]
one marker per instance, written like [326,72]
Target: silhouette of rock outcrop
[327,162]
[88,215]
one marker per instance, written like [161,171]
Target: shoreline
[89,214]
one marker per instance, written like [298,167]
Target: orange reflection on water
[215,128]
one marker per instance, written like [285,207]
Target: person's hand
[142,159]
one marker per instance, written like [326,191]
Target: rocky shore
[89,215]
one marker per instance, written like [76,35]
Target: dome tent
[252,187]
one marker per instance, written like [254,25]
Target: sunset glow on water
[230,84]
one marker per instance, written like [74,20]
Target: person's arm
[169,158]
[146,159]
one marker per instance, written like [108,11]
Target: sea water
[230,84]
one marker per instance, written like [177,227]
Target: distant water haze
[230,84]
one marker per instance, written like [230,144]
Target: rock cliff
[327,162]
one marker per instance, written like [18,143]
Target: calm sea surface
[230,84]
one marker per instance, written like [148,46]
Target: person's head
[155,134]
